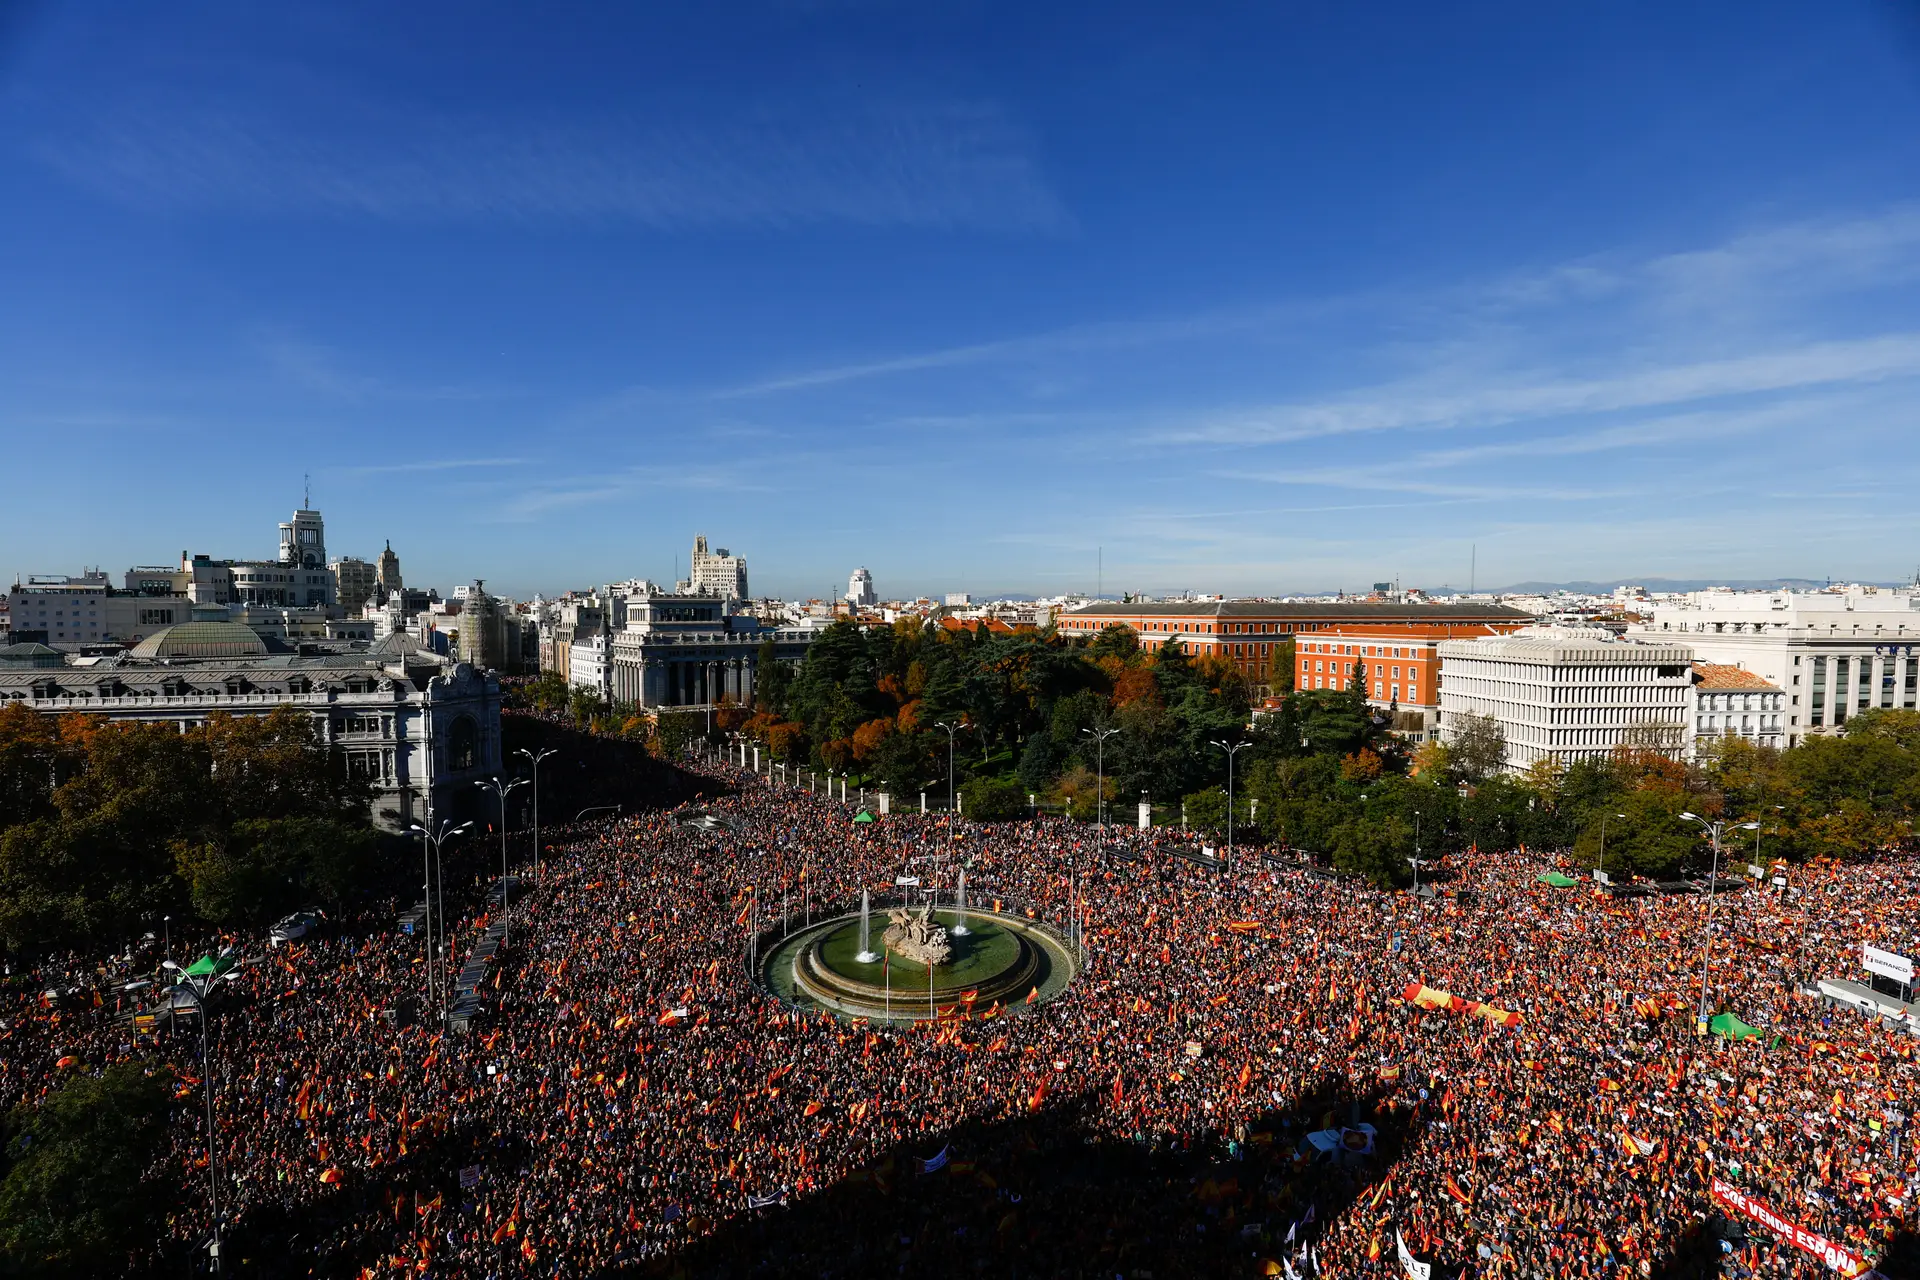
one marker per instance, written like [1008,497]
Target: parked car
[297,925]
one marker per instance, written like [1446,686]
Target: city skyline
[984,300]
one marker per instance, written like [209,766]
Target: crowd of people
[633,1100]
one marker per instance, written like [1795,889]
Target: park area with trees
[1320,772]
[106,827]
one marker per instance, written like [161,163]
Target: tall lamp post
[206,1086]
[1100,737]
[951,729]
[535,757]
[436,903]
[1232,751]
[1602,868]
[503,790]
[1713,829]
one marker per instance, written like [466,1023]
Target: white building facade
[860,592]
[716,573]
[1569,694]
[679,650]
[1833,653]
[1729,702]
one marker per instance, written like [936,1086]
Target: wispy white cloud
[325,369]
[436,464]
[1422,403]
[546,497]
[915,164]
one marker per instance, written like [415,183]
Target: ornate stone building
[421,728]
[689,651]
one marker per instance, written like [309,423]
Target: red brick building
[1249,632]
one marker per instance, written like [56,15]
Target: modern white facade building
[1567,693]
[1833,653]
[860,593]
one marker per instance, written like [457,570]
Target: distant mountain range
[1669,584]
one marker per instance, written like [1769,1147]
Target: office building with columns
[1832,653]
[682,650]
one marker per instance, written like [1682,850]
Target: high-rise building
[716,573]
[354,580]
[860,593]
[387,578]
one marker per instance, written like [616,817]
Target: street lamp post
[503,790]
[951,729]
[1713,829]
[436,897]
[1602,868]
[206,1086]
[535,757]
[1100,737]
[1231,751]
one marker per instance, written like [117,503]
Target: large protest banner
[1836,1256]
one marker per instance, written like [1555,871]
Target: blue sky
[1232,297]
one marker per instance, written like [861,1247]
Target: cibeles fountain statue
[916,938]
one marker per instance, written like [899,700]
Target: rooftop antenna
[1473,568]
[1099,572]
[306,490]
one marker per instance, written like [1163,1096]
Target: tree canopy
[80,1195]
[110,824]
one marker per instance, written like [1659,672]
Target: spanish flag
[1039,1097]
[1453,1189]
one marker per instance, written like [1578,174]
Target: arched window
[463,744]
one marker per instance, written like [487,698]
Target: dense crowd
[632,1100]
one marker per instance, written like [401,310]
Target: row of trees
[107,826]
[1041,714]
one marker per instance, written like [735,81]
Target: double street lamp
[1232,751]
[535,757]
[436,899]
[1100,737]
[503,789]
[1713,829]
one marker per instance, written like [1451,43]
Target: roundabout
[980,960]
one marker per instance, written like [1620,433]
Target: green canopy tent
[1557,880]
[1729,1026]
[209,967]
[864,816]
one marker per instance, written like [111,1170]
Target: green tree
[992,799]
[1478,748]
[677,730]
[83,1193]
[266,867]
[1207,810]
[1375,848]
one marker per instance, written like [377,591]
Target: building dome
[202,640]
